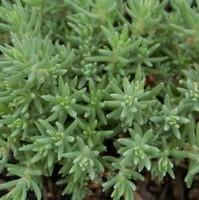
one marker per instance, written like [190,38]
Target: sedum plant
[97,92]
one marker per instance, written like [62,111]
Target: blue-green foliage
[76,74]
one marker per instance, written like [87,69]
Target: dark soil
[168,189]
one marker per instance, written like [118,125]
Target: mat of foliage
[95,94]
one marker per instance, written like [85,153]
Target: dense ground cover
[98,97]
